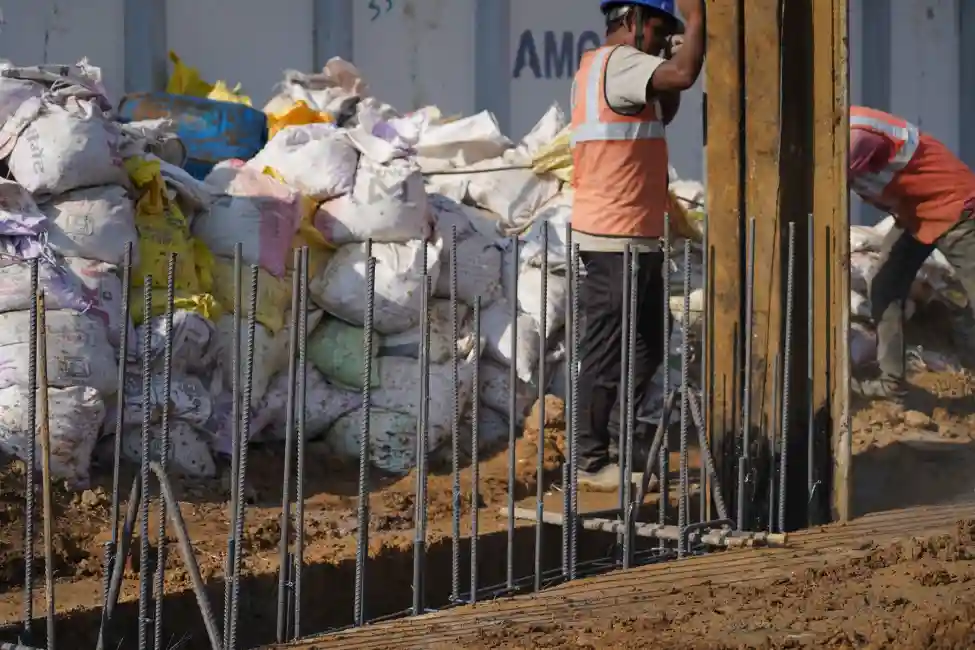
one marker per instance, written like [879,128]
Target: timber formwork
[576,602]
[776,146]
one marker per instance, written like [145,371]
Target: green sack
[335,349]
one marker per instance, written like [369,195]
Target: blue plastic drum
[212,131]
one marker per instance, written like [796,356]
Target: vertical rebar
[628,396]
[540,469]
[144,584]
[420,539]
[299,555]
[664,501]
[454,423]
[567,461]
[829,250]
[235,443]
[685,359]
[745,459]
[112,545]
[512,413]
[705,378]
[623,391]
[29,514]
[289,605]
[810,370]
[108,555]
[164,444]
[245,432]
[45,440]
[362,545]
[735,403]
[475,449]
[787,370]
[573,389]
[284,544]
[772,437]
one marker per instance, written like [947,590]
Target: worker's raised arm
[681,72]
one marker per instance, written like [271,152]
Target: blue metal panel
[876,49]
[145,48]
[492,28]
[212,131]
[333,30]
[876,79]
[966,86]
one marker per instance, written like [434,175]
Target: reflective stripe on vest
[909,138]
[595,130]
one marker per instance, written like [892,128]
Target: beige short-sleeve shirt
[628,74]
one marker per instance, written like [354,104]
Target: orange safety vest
[924,183]
[620,161]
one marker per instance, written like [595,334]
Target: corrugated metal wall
[513,58]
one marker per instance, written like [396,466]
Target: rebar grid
[634,538]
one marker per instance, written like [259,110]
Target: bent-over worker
[931,193]
[623,95]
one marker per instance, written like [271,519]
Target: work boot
[641,449]
[880,388]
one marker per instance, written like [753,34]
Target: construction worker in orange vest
[623,96]
[931,194]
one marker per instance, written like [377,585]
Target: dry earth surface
[914,596]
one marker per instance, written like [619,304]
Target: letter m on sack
[378,191]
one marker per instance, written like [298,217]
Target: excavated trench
[329,589]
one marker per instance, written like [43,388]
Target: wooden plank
[724,134]
[831,209]
[842,432]
[806,550]
[796,191]
[763,129]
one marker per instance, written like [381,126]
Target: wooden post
[764,134]
[724,137]
[776,149]
[831,206]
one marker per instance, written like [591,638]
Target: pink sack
[258,211]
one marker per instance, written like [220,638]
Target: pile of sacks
[340,168]
[86,192]
[419,181]
[62,151]
[935,282]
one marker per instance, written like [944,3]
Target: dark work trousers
[601,299]
[900,260]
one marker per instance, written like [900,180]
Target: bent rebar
[185,549]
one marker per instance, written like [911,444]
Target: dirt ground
[913,595]
[920,453]
[82,525]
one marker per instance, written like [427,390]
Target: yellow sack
[299,113]
[204,304]
[186,80]
[556,158]
[273,294]
[223,93]
[163,229]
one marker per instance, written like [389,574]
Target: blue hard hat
[663,6]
